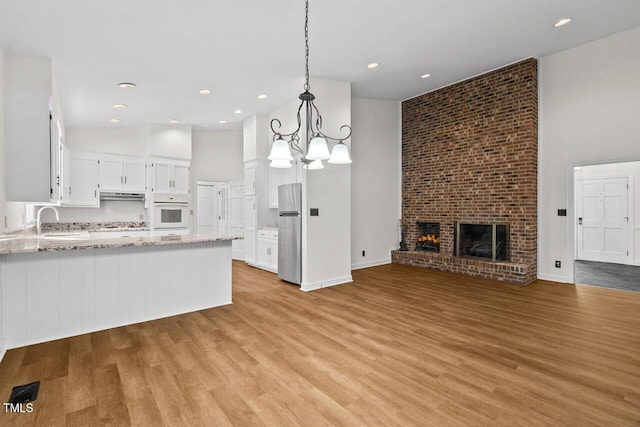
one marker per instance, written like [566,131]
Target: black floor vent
[24,393]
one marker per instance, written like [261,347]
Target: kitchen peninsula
[60,285]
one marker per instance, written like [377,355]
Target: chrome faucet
[38,216]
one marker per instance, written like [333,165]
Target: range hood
[131,197]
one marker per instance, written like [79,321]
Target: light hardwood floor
[398,346]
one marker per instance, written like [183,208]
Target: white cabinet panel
[250,246]
[110,171]
[83,179]
[267,249]
[170,177]
[135,175]
[51,295]
[43,298]
[250,179]
[15,304]
[122,173]
[162,177]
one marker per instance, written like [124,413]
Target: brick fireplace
[469,155]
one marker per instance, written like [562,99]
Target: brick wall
[469,154]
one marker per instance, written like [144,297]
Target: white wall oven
[170,211]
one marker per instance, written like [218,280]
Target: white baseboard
[307,287]
[370,264]
[553,278]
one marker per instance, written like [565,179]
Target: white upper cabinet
[81,183]
[122,173]
[250,178]
[278,176]
[170,176]
[33,129]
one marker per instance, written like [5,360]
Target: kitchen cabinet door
[273,251]
[162,177]
[262,252]
[65,179]
[250,179]
[110,173]
[170,177]
[135,175]
[83,177]
[275,179]
[180,179]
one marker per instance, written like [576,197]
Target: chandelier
[316,141]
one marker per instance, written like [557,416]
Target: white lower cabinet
[169,232]
[118,234]
[267,250]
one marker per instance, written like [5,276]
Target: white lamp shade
[318,149]
[280,151]
[280,164]
[316,164]
[340,154]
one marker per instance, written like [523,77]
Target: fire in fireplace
[481,241]
[428,236]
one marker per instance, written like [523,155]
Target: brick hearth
[469,154]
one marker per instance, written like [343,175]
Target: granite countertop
[52,227]
[27,243]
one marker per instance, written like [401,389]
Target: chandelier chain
[306,45]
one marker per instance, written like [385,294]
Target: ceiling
[241,49]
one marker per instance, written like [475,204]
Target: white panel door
[162,177]
[180,179]
[602,211]
[135,175]
[110,174]
[223,209]
[206,213]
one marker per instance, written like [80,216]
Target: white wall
[127,141]
[376,151]
[326,238]
[217,155]
[172,141]
[589,110]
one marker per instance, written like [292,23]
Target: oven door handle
[165,204]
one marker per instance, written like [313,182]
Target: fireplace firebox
[489,241]
[428,236]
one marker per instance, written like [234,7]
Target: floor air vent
[24,393]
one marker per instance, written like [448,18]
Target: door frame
[630,212]
[203,182]
[571,237]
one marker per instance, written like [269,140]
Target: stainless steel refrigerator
[290,232]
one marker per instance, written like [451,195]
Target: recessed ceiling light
[114,120]
[424,76]
[127,85]
[238,111]
[222,122]
[262,96]
[174,121]
[205,92]
[563,21]
[119,106]
[373,65]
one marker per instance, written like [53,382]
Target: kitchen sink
[66,236]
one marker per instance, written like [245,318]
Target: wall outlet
[558,264]
[141,217]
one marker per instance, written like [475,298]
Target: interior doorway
[605,234]
[219,209]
